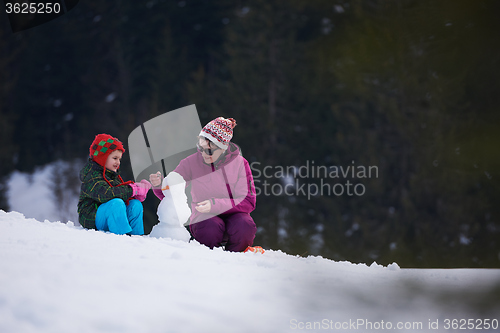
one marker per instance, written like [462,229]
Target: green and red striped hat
[102,146]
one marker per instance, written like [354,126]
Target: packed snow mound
[57,277]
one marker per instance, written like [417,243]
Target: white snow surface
[58,277]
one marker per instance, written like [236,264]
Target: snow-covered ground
[57,277]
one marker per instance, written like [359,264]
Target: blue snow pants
[116,217]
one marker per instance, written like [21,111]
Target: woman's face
[216,151]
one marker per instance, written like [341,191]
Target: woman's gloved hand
[155,179]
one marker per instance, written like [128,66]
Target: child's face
[113,161]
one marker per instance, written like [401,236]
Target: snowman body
[173,210]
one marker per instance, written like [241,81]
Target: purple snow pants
[237,229]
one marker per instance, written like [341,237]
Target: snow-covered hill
[56,277]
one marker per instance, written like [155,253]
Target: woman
[222,189]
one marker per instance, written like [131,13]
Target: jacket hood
[229,155]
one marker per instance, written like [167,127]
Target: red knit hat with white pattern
[219,131]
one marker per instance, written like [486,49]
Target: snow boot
[254,249]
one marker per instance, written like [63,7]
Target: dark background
[408,86]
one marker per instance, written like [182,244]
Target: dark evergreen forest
[410,88]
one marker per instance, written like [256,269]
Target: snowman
[173,210]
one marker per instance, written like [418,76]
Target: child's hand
[155,179]
[204,206]
[140,190]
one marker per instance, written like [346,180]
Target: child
[106,202]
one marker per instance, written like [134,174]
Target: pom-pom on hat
[219,131]
[102,146]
